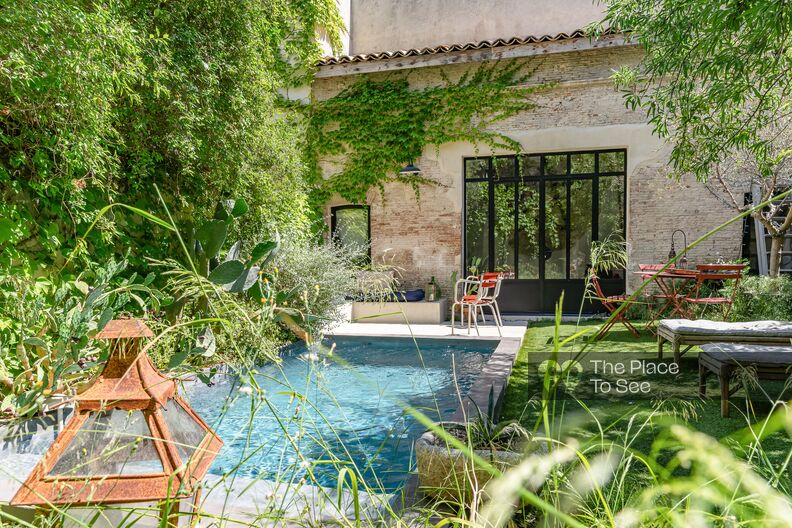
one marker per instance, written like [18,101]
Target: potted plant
[449,473]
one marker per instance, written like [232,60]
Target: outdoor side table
[726,361]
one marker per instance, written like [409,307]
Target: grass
[594,415]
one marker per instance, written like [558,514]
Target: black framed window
[350,227]
[535,216]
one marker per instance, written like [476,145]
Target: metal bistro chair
[717,273]
[611,303]
[491,283]
[485,291]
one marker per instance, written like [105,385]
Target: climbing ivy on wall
[376,126]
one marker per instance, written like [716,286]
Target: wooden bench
[688,333]
[726,361]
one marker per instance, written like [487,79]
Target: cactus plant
[233,273]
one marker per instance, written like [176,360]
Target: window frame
[518,177]
[334,223]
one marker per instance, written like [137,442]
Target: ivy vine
[376,126]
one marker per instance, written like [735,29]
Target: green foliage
[58,120]
[608,255]
[763,298]
[715,73]
[379,125]
[319,277]
[99,101]
[234,274]
[46,326]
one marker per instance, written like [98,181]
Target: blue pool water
[351,411]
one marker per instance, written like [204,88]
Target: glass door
[535,217]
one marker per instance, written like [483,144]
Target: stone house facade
[582,119]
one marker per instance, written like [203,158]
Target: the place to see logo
[611,375]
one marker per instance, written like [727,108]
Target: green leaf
[257,293]
[245,281]
[35,341]
[205,343]
[227,272]
[233,253]
[7,229]
[93,296]
[223,210]
[82,287]
[107,314]
[240,208]
[262,250]
[177,359]
[212,235]
[207,378]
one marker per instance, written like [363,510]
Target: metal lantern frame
[129,384]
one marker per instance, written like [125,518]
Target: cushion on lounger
[748,355]
[741,348]
[746,329]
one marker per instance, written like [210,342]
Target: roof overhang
[466,53]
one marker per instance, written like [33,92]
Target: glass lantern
[133,449]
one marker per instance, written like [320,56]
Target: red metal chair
[491,284]
[464,299]
[715,273]
[612,303]
[653,296]
[485,294]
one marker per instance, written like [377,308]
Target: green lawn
[583,416]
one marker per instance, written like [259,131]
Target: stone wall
[582,111]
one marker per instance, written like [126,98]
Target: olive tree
[715,74]
[742,172]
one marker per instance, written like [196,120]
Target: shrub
[321,276]
[47,325]
[101,100]
[759,298]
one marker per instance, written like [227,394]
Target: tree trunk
[774,260]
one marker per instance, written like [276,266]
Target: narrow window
[351,228]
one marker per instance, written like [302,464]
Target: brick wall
[584,111]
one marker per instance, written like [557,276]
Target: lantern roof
[124,328]
[129,381]
[130,439]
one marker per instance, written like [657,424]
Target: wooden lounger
[726,360]
[688,333]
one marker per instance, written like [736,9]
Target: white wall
[387,25]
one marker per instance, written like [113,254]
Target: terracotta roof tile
[484,44]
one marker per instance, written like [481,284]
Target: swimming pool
[346,410]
